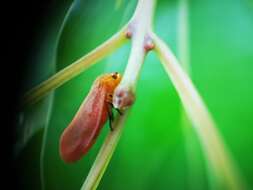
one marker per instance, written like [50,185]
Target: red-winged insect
[82,132]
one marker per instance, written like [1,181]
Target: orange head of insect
[110,82]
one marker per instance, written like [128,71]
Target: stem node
[123,98]
[148,43]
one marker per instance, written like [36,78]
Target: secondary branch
[75,68]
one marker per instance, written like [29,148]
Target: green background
[157,150]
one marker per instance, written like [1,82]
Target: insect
[81,133]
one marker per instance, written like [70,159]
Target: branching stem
[140,26]
[138,29]
[143,39]
[76,68]
[197,112]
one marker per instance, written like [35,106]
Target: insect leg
[110,115]
[118,110]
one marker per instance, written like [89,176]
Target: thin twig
[139,25]
[184,57]
[105,154]
[191,147]
[202,121]
[75,68]
[51,95]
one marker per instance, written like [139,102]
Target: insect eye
[115,75]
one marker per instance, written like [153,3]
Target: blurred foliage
[152,152]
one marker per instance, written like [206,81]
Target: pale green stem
[51,95]
[198,114]
[43,146]
[139,27]
[183,36]
[104,155]
[75,68]
[189,139]
[140,23]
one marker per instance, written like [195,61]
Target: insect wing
[81,133]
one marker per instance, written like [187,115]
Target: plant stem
[75,68]
[140,26]
[191,148]
[202,121]
[187,92]
[105,154]
[51,95]
[183,33]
